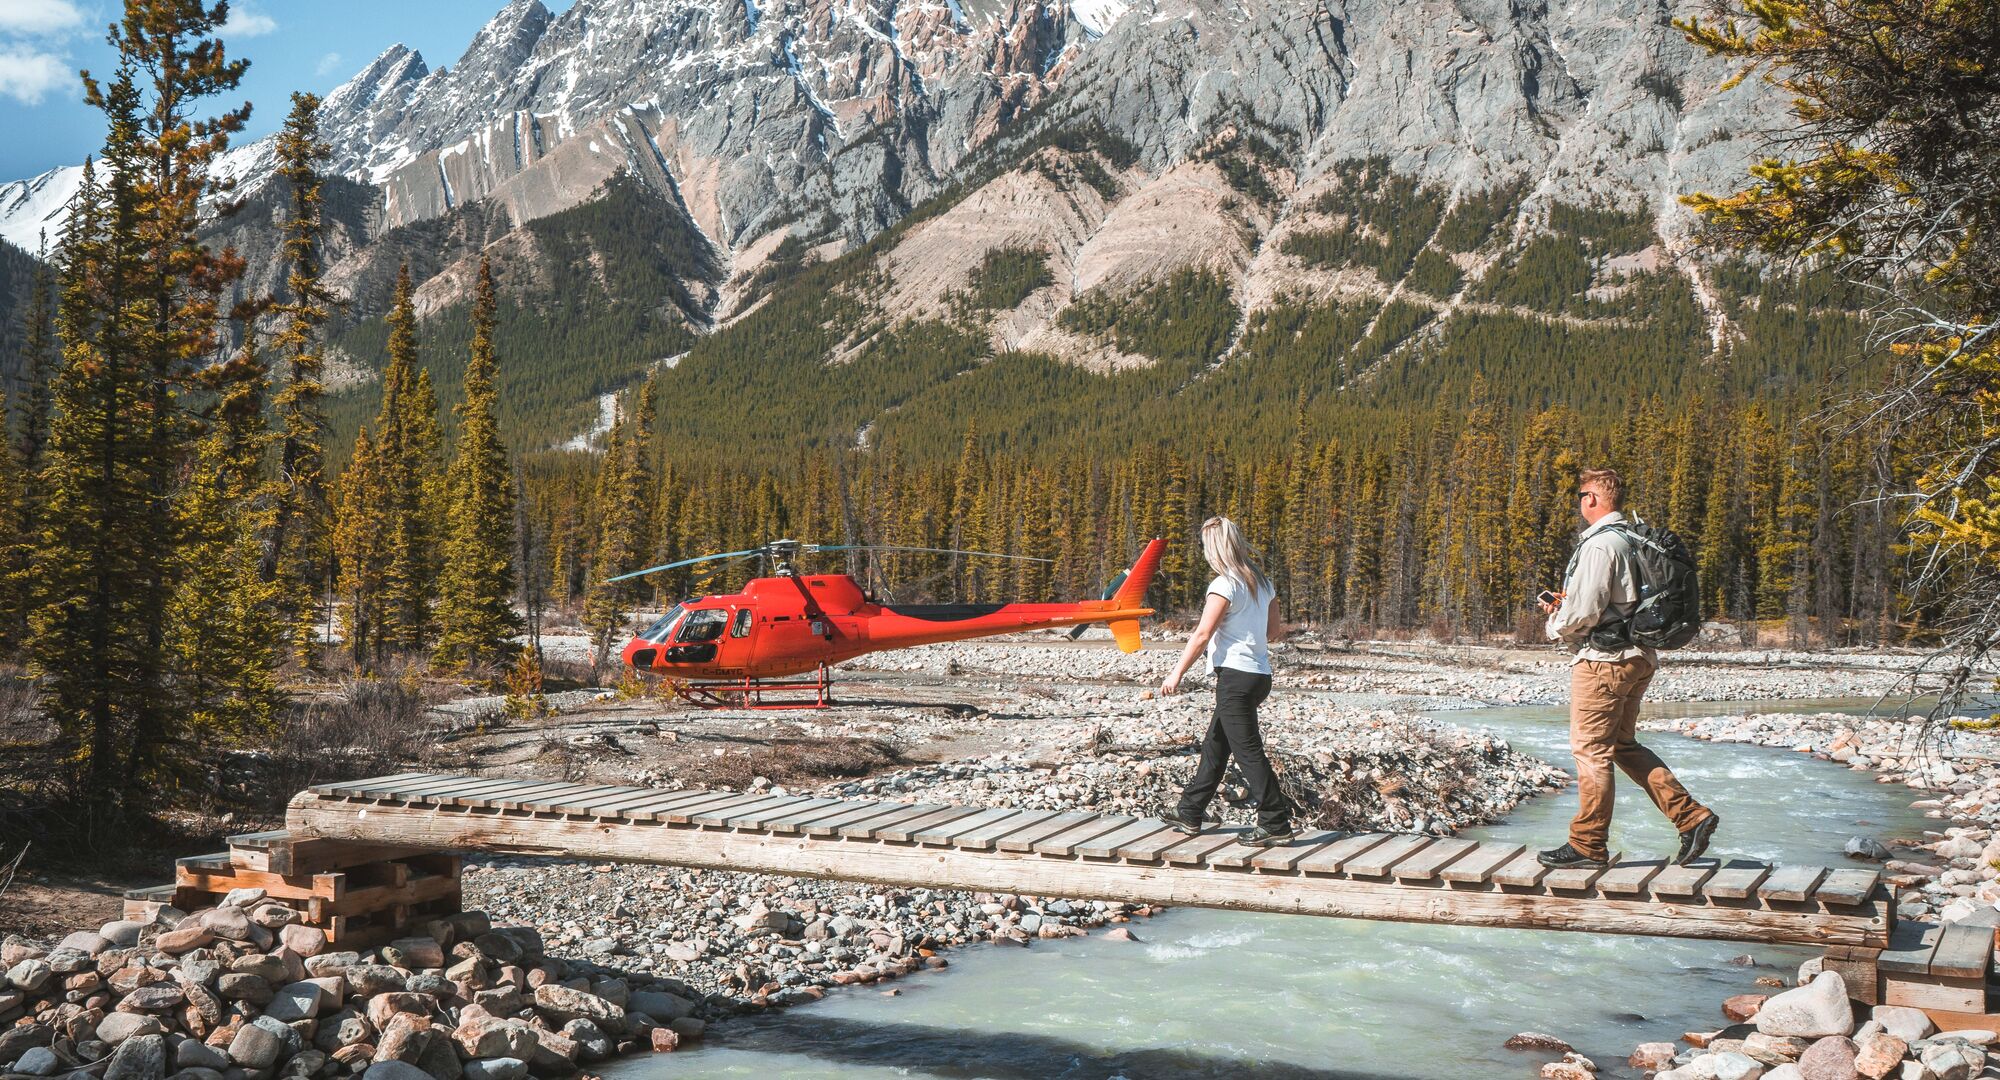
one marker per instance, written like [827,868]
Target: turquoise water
[1228,994]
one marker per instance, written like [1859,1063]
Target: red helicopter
[728,651]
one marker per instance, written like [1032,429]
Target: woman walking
[1238,623]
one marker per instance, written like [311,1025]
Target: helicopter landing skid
[749,693]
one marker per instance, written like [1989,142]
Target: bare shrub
[369,726]
[799,761]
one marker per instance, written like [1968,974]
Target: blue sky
[291,45]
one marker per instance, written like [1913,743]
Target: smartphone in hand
[1547,597]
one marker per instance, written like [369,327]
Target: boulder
[439,1058]
[1951,1059]
[1742,1007]
[414,953]
[255,1047]
[120,1026]
[1831,1058]
[240,986]
[142,1057]
[367,980]
[664,1040]
[157,998]
[122,933]
[1867,847]
[18,1040]
[329,964]
[1904,1022]
[30,975]
[482,1035]
[38,1061]
[383,1008]
[555,1054]
[664,1007]
[1815,1010]
[1880,1055]
[87,942]
[591,1041]
[195,1054]
[505,1068]
[394,1070]
[271,969]
[227,923]
[561,1004]
[186,938]
[295,1001]
[403,1038]
[691,1028]
[304,940]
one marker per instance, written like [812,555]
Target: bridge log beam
[914,865]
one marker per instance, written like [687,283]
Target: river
[1229,994]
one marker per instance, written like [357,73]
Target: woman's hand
[1172,685]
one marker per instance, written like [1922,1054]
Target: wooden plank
[464,796]
[910,866]
[584,803]
[1911,946]
[1426,865]
[1376,861]
[904,830]
[352,789]
[650,810]
[1108,845]
[439,792]
[1963,952]
[794,819]
[1193,850]
[1234,855]
[985,837]
[1630,878]
[493,800]
[944,833]
[755,817]
[1283,857]
[1847,887]
[726,813]
[365,789]
[866,829]
[520,802]
[1025,840]
[1332,859]
[622,808]
[859,814]
[1574,878]
[1792,883]
[1683,882]
[1063,844]
[1523,871]
[1475,868]
[1736,880]
[685,812]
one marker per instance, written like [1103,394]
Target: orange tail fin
[1132,594]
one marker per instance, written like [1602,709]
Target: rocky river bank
[1948,874]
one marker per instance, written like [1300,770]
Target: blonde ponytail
[1231,556]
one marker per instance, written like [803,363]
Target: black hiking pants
[1234,732]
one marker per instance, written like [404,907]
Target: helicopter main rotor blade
[686,562]
[939,551]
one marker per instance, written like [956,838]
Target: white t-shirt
[1239,641]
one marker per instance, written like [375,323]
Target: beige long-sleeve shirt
[1604,585]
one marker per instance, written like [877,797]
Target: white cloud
[39,16]
[244,22]
[28,76]
[328,64]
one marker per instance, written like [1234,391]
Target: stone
[87,942]
[403,1038]
[367,980]
[394,1070]
[664,1007]
[142,1057]
[1975,1036]
[18,1040]
[414,953]
[689,1028]
[38,1061]
[304,940]
[1735,1066]
[591,1041]
[1902,1021]
[255,1047]
[1787,1071]
[1774,1049]
[273,916]
[664,1040]
[1526,1040]
[383,1008]
[240,986]
[1742,1007]
[271,969]
[563,1004]
[120,1026]
[439,1058]
[195,1054]
[482,1035]
[329,964]
[1881,1054]
[305,1063]
[186,938]
[30,975]
[555,1053]
[505,1068]
[1831,1058]
[1865,847]
[227,923]
[1652,1056]
[1817,1009]
[158,997]
[1953,1060]
[294,1001]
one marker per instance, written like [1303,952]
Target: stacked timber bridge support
[363,858]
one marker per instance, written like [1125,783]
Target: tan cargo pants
[1603,718]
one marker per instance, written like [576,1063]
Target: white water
[1227,994]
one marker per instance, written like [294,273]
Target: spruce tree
[476,616]
[39,354]
[362,529]
[16,551]
[298,558]
[407,442]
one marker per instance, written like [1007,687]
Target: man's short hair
[1605,482]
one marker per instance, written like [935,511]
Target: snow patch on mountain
[1097,16]
[29,208]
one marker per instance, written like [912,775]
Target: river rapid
[1228,994]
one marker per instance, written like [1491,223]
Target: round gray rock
[394,1070]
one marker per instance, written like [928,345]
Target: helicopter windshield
[703,624]
[657,632]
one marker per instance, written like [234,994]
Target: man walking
[1607,680]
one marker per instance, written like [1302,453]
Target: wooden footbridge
[340,837]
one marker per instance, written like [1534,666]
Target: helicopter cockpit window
[741,627]
[703,624]
[657,632]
